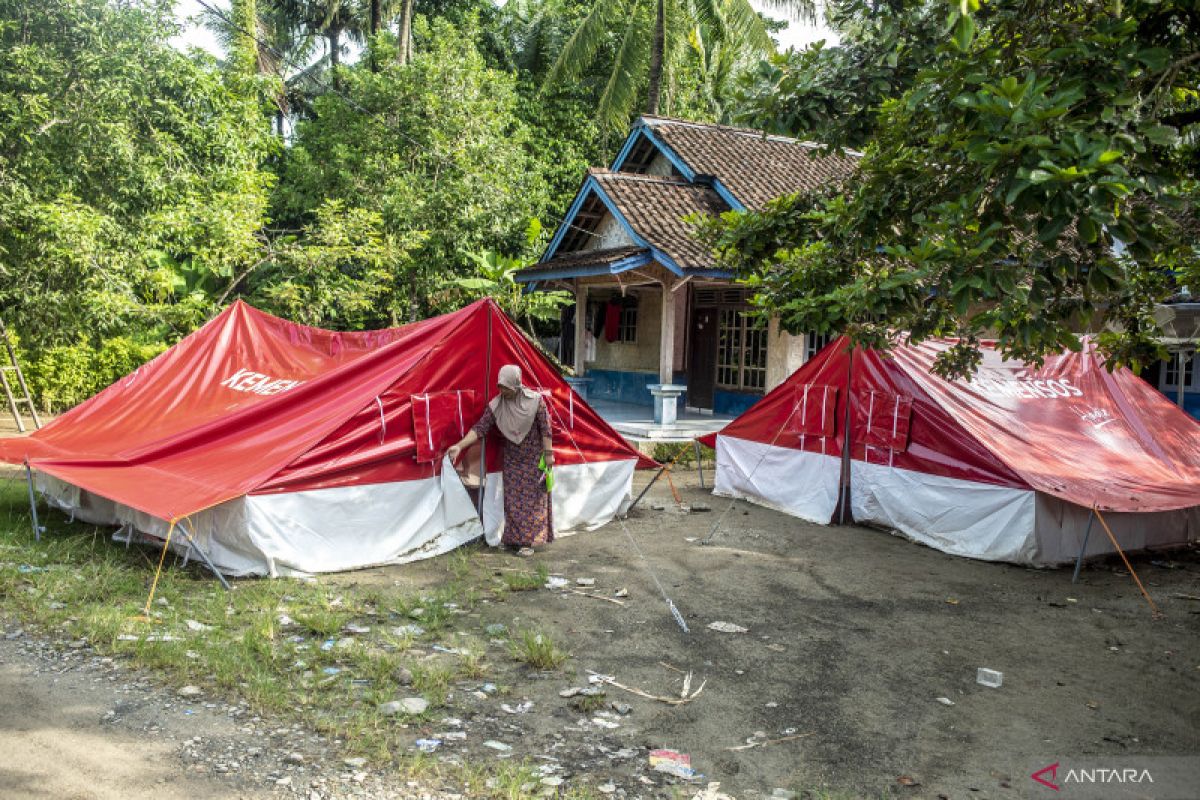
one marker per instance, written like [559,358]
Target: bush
[62,377]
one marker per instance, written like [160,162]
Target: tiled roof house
[655,309]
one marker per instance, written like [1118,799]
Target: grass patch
[537,649]
[525,581]
[587,703]
[280,646]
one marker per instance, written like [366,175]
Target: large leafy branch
[1027,185]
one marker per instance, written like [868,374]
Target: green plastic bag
[547,473]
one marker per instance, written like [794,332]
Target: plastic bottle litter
[989,677]
[672,762]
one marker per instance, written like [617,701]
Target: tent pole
[487,371]
[847,444]
[629,510]
[37,529]
[699,465]
[204,555]
[1086,533]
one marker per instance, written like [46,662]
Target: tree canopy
[1031,178]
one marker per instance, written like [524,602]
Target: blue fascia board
[568,220]
[630,140]
[659,255]
[725,275]
[727,196]
[687,172]
[587,270]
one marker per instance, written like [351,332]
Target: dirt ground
[852,636]
[68,734]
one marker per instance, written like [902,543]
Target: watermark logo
[1039,776]
[1090,776]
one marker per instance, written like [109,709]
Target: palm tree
[281,49]
[653,37]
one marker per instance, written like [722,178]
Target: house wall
[609,233]
[622,371]
[661,166]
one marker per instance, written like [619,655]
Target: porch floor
[636,422]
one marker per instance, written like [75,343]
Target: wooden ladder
[16,401]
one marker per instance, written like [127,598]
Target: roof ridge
[640,177]
[652,119]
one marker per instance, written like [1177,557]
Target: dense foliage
[1028,173]
[348,165]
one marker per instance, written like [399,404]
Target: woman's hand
[453,453]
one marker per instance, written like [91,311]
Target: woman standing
[521,416]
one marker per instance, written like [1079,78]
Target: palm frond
[620,94]
[581,48]
[798,10]
[742,24]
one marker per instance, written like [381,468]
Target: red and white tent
[1005,467]
[290,449]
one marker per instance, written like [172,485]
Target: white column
[581,293]
[666,345]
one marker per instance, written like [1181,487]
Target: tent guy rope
[678,617]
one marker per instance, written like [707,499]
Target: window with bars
[627,329]
[814,343]
[1170,372]
[741,351]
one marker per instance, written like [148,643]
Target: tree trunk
[656,59]
[376,21]
[405,34]
[335,54]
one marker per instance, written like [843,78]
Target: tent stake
[37,529]
[192,543]
[1086,533]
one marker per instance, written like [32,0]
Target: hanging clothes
[612,321]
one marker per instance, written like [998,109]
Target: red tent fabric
[251,404]
[1069,432]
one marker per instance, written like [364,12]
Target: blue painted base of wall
[633,387]
[628,387]
[733,403]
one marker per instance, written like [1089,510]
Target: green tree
[653,44]
[1034,179]
[435,148]
[130,193]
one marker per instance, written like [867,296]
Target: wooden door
[702,363]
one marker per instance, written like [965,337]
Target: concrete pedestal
[666,401]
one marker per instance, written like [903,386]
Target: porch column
[581,293]
[666,347]
[666,394]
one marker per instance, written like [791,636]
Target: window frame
[747,327]
[1190,369]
